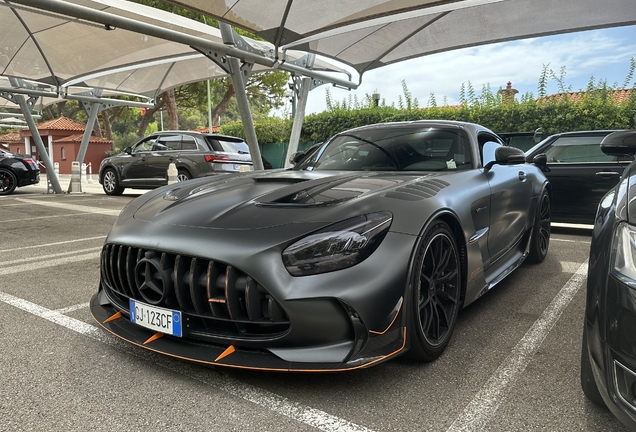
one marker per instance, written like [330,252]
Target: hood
[261,200]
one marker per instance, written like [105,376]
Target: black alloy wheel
[8,182]
[109,183]
[540,241]
[436,282]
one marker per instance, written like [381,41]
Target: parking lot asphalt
[512,365]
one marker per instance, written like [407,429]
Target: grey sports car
[365,251]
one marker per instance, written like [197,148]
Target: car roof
[201,134]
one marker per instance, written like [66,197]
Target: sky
[604,54]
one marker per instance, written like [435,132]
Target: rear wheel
[436,281]
[183,175]
[588,383]
[541,233]
[109,183]
[8,182]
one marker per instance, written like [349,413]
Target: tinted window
[395,149]
[234,146]
[168,142]
[145,145]
[188,143]
[569,149]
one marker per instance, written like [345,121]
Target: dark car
[522,140]
[145,165]
[17,170]
[365,251]
[579,172]
[608,355]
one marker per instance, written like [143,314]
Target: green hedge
[593,112]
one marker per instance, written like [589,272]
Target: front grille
[216,300]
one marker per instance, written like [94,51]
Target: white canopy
[373,33]
[62,50]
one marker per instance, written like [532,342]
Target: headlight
[624,254]
[338,246]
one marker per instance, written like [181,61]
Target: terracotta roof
[13,137]
[62,124]
[77,139]
[619,96]
[215,129]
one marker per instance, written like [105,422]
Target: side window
[188,143]
[487,152]
[168,142]
[577,150]
[145,145]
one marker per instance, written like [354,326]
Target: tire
[436,293]
[183,175]
[588,384]
[110,184]
[540,241]
[8,182]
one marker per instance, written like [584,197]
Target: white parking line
[570,241]
[74,207]
[53,244]
[263,398]
[41,262]
[483,406]
[72,308]
[44,217]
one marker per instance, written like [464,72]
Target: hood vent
[419,190]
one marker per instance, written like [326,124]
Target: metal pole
[241,99]
[298,119]
[92,116]
[50,172]
[209,109]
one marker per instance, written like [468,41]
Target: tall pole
[35,134]
[299,116]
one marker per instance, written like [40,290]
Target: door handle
[607,174]
[522,175]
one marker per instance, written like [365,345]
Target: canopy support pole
[26,110]
[302,89]
[239,75]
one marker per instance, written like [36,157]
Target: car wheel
[436,281]
[540,241]
[109,183]
[588,383]
[8,182]
[183,175]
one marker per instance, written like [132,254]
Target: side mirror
[128,150]
[538,135]
[620,143]
[540,159]
[507,156]
[296,157]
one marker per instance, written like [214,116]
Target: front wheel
[540,240]
[183,175]
[109,183]
[436,280]
[588,383]
[8,182]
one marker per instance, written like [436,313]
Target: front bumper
[379,347]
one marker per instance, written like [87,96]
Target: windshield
[414,148]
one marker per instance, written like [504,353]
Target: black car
[365,251]
[579,172]
[145,165]
[17,170]
[608,355]
[522,140]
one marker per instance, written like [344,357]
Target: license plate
[155,318]
[243,168]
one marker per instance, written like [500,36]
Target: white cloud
[603,54]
